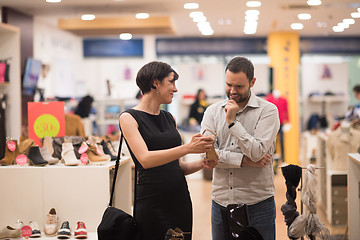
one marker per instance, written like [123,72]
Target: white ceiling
[275,15]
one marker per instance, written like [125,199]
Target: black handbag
[115,223]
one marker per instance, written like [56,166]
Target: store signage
[46,119]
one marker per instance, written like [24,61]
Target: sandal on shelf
[212,154]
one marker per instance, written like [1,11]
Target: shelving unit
[354,195]
[333,185]
[10,48]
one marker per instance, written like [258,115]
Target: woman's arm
[149,159]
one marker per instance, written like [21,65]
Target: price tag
[11,145]
[21,159]
[84,158]
[83,148]
[26,231]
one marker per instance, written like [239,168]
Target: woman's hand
[200,143]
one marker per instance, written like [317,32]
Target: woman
[162,196]
[198,108]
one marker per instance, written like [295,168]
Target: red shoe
[80,232]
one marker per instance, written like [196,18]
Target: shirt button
[232,143]
[230,173]
[230,187]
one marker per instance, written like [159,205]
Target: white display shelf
[78,193]
[354,196]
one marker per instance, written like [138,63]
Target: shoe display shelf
[10,49]
[353,195]
[78,193]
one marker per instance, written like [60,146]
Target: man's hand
[231,109]
[262,163]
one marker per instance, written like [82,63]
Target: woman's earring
[157,93]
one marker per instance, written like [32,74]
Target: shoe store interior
[68,69]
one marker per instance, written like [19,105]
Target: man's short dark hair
[150,72]
[241,64]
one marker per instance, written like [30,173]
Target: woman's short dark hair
[150,72]
[241,64]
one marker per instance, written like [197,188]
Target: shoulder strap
[116,170]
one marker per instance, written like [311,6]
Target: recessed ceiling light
[251,17]
[252,12]
[253,4]
[297,26]
[314,2]
[53,1]
[355,15]
[196,14]
[228,21]
[142,15]
[349,21]
[125,36]
[304,16]
[199,19]
[88,17]
[343,25]
[191,5]
[337,29]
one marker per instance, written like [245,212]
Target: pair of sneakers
[65,232]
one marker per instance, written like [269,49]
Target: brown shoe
[10,155]
[25,146]
[95,158]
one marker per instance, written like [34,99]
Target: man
[354,111]
[246,128]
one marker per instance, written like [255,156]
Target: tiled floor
[200,191]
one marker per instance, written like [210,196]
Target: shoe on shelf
[64,231]
[107,150]
[95,158]
[35,157]
[10,232]
[25,145]
[47,156]
[48,143]
[51,223]
[80,232]
[10,156]
[35,229]
[68,155]
[19,224]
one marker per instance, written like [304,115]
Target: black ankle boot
[35,157]
[107,150]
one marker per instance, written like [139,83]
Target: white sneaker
[51,223]
[35,229]
[10,232]
[68,155]
[19,224]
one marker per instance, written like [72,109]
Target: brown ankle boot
[95,158]
[10,155]
[25,145]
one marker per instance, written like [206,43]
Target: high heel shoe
[35,157]
[107,150]
[94,157]
[68,155]
[25,145]
[10,155]
[47,156]
[212,154]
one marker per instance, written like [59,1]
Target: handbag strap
[116,170]
[115,174]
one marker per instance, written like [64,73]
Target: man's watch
[231,124]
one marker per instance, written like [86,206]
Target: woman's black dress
[162,195]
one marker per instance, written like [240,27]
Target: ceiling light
[304,16]
[221,21]
[321,24]
[207,32]
[199,19]
[53,1]
[355,15]
[88,17]
[249,31]
[349,21]
[191,5]
[314,2]
[343,25]
[251,17]
[125,36]
[253,4]
[142,15]
[297,26]
[228,21]
[252,12]
[337,29]
[196,14]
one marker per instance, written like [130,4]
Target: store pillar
[284,54]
